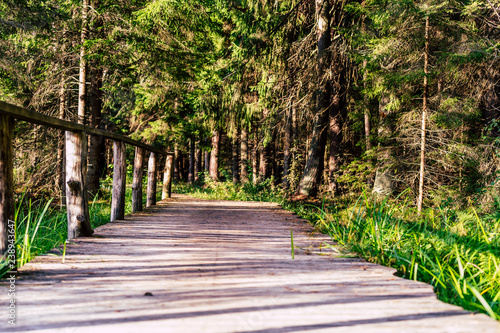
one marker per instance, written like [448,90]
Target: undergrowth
[42,225]
[455,250]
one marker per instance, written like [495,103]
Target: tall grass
[42,225]
[459,257]
[456,251]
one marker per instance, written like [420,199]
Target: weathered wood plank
[119,178]
[76,192]
[151,189]
[214,266]
[168,174]
[41,119]
[6,180]
[137,180]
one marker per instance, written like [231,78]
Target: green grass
[42,225]
[456,251]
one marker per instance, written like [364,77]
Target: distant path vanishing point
[190,265]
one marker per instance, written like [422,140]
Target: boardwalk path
[218,266]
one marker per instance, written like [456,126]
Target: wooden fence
[76,168]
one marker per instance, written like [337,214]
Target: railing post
[119,181]
[6,180]
[167,177]
[137,181]
[76,192]
[151,192]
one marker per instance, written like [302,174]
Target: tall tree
[311,178]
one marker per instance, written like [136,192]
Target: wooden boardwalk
[216,266]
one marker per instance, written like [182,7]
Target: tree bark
[151,189]
[60,146]
[82,93]
[97,147]
[236,162]
[366,112]
[311,177]
[255,160]
[6,181]
[207,162]
[424,119]
[119,181]
[197,164]
[167,178]
[335,139]
[76,192]
[214,156]
[137,180]
[191,161]
[244,155]
[286,147]
[383,184]
[176,162]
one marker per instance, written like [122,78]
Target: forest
[378,120]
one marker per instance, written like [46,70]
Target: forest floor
[192,265]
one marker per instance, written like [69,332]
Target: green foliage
[42,225]
[263,191]
[455,250]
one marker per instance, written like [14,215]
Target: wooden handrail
[65,125]
[76,160]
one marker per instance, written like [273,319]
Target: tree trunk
[255,160]
[236,162]
[214,156]
[6,182]
[167,178]
[383,184]
[197,165]
[244,155]
[76,192]
[207,162]
[191,161]
[335,139]
[60,146]
[119,181]
[366,112]
[137,180]
[365,98]
[424,120]
[311,177]
[82,93]
[176,162]
[151,189]
[286,147]
[97,147]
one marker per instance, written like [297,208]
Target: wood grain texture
[42,119]
[76,192]
[217,266]
[168,174]
[119,179]
[6,179]
[151,189]
[137,180]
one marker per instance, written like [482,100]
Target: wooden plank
[137,180]
[119,178]
[41,119]
[6,180]
[216,266]
[168,174]
[76,192]
[151,190]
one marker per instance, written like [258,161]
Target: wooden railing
[76,167]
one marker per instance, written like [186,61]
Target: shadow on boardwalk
[215,266]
